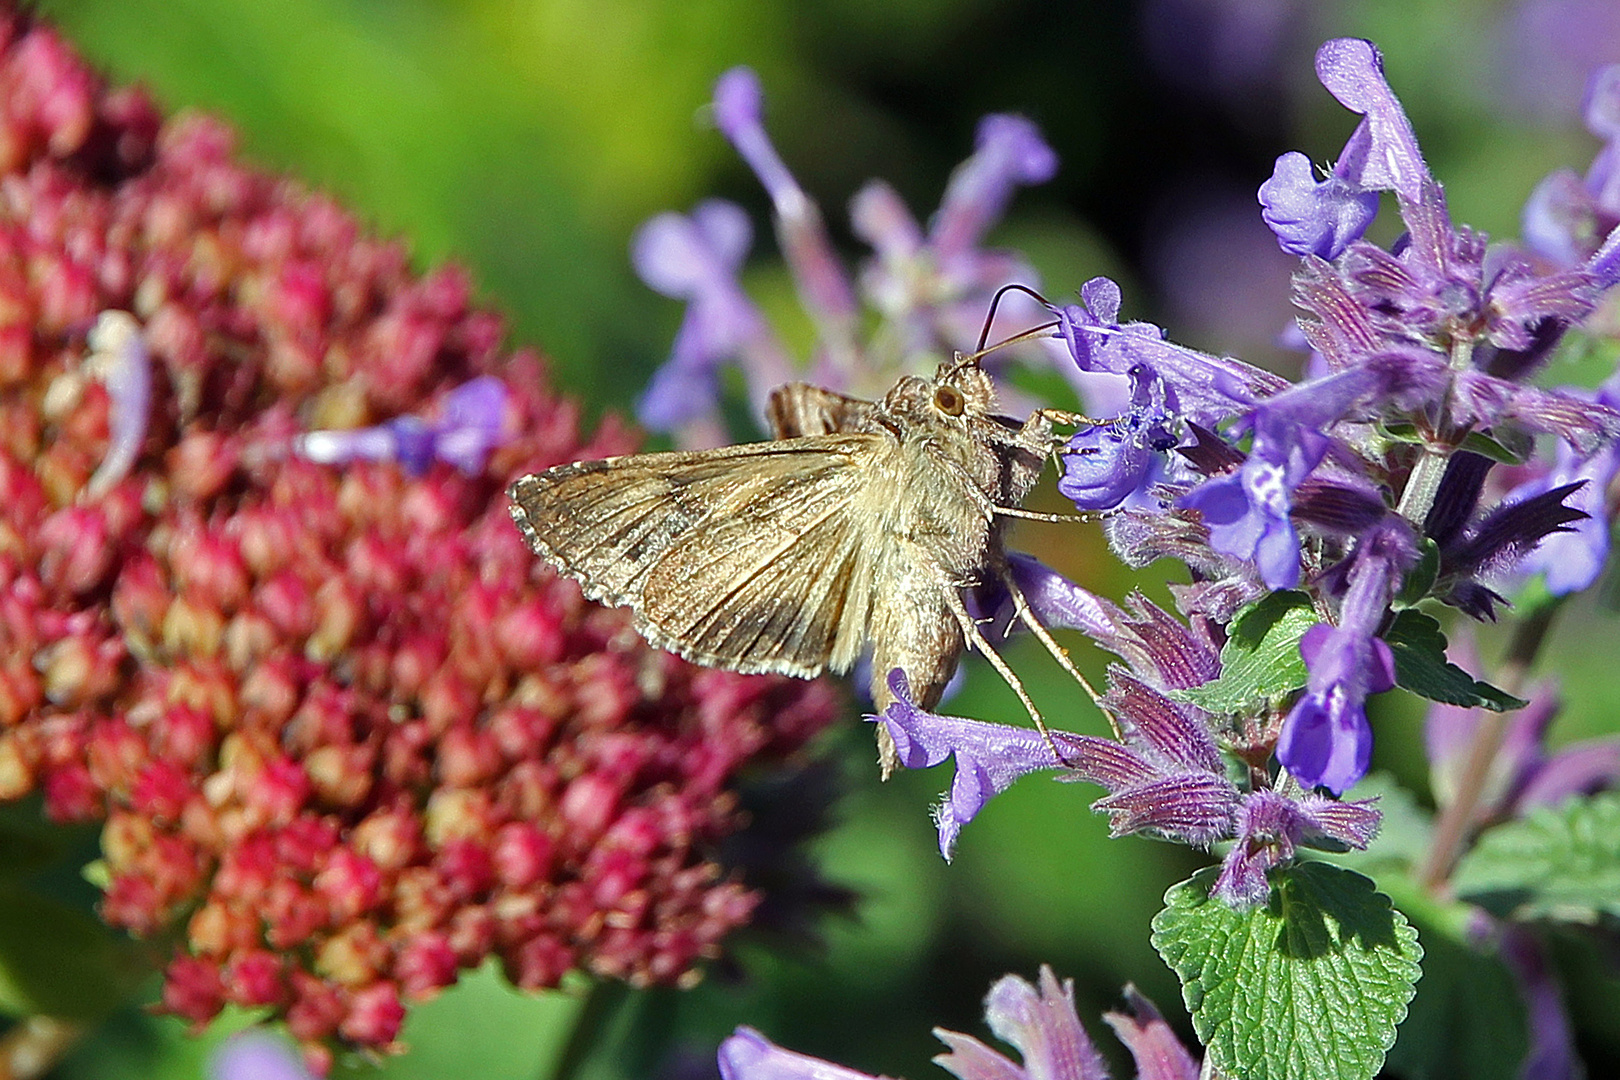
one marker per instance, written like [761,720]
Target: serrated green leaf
[1261,657]
[1560,863]
[1309,986]
[1421,666]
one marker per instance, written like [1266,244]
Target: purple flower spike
[989,757]
[1008,151]
[1040,1022]
[739,113]
[119,357]
[1312,217]
[1382,154]
[257,1055]
[1159,1055]
[696,258]
[748,1055]
[1552,1054]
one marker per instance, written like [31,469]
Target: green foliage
[60,961]
[1421,666]
[1310,985]
[1467,1021]
[1560,863]
[1261,657]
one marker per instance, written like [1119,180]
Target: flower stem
[1455,825]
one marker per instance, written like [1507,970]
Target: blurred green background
[527,138]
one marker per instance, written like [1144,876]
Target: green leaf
[1498,451]
[1421,666]
[1420,579]
[1311,985]
[1261,658]
[58,960]
[1560,863]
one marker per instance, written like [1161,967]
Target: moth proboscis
[859,524]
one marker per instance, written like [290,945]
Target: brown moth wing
[712,550]
[797,409]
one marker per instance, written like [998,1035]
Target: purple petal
[1326,740]
[1552,1053]
[1044,1027]
[1582,768]
[748,1055]
[119,357]
[880,218]
[739,113]
[989,757]
[1008,151]
[257,1055]
[1106,463]
[1560,218]
[471,424]
[684,256]
[1383,153]
[1602,106]
[1152,1042]
[1311,217]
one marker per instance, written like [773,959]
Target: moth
[859,525]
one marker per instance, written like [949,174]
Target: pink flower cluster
[346,734]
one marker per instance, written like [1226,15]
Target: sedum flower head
[262,612]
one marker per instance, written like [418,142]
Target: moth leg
[1036,515]
[1026,616]
[970,630]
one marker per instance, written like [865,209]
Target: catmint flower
[470,425]
[1039,1021]
[696,258]
[1525,773]
[1571,556]
[1166,775]
[930,289]
[1326,740]
[266,621]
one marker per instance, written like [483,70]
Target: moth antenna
[1036,515]
[995,301]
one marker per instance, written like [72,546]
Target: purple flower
[696,258]
[748,1055]
[471,423]
[1326,741]
[1040,1022]
[989,757]
[257,1055]
[1312,217]
[1270,829]
[1205,388]
[1572,555]
[1108,462]
[931,290]
[1524,773]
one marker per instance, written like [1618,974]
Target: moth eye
[949,400]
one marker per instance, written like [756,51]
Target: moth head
[962,388]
